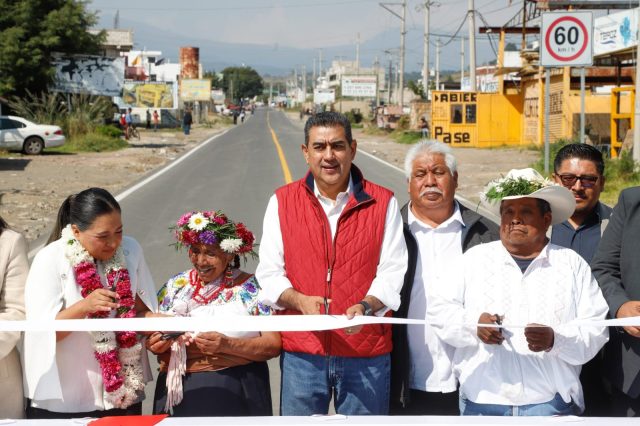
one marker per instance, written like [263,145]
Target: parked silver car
[30,138]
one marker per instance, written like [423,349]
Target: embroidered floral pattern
[179,288]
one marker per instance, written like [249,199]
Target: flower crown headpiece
[516,183]
[214,227]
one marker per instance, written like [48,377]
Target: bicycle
[133,132]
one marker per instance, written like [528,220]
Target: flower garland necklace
[119,353]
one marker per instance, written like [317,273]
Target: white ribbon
[254,323]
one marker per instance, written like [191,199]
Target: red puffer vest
[341,270]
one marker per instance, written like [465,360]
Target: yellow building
[517,117]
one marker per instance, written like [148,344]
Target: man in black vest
[436,228]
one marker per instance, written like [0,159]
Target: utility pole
[398,87]
[461,61]
[438,63]
[389,82]
[358,55]
[425,59]
[472,46]
[403,32]
[304,83]
[315,80]
[270,92]
[320,64]
[376,67]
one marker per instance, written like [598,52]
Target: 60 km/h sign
[566,39]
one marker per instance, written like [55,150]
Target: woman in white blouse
[13,273]
[87,270]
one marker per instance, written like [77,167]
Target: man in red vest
[332,243]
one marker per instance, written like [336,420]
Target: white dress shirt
[64,376]
[392,266]
[431,358]
[556,288]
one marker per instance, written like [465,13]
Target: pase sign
[566,39]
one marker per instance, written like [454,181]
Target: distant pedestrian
[235,116]
[187,121]
[128,122]
[242,115]
[424,127]
[156,120]
[148,119]
[123,125]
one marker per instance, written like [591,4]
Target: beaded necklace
[198,284]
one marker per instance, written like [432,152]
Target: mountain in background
[277,60]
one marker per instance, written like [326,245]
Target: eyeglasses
[587,181]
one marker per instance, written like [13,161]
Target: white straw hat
[528,183]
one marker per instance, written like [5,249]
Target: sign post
[566,39]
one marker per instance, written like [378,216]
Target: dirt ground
[33,187]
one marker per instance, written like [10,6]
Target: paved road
[237,172]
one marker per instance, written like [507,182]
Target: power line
[201,9]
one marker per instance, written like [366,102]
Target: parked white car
[30,138]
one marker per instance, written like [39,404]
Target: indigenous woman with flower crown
[87,270]
[224,374]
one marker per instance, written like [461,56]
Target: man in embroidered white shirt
[529,362]
[332,243]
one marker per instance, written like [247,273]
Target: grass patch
[406,137]
[91,142]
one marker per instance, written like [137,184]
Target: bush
[403,123]
[81,115]
[109,130]
[354,116]
[92,142]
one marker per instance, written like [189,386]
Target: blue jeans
[555,407]
[360,386]
[187,128]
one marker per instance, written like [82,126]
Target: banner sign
[615,32]
[91,75]
[149,95]
[324,96]
[195,90]
[362,86]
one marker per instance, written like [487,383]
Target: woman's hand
[156,345]
[100,300]
[210,343]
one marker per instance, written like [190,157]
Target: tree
[416,88]
[246,82]
[214,77]
[31,31]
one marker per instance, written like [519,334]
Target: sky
[311,24]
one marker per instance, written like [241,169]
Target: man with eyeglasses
[580,168]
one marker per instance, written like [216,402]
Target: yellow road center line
[283,159]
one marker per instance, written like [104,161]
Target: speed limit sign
[566,39]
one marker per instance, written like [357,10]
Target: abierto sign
[566,39]
[359,86]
